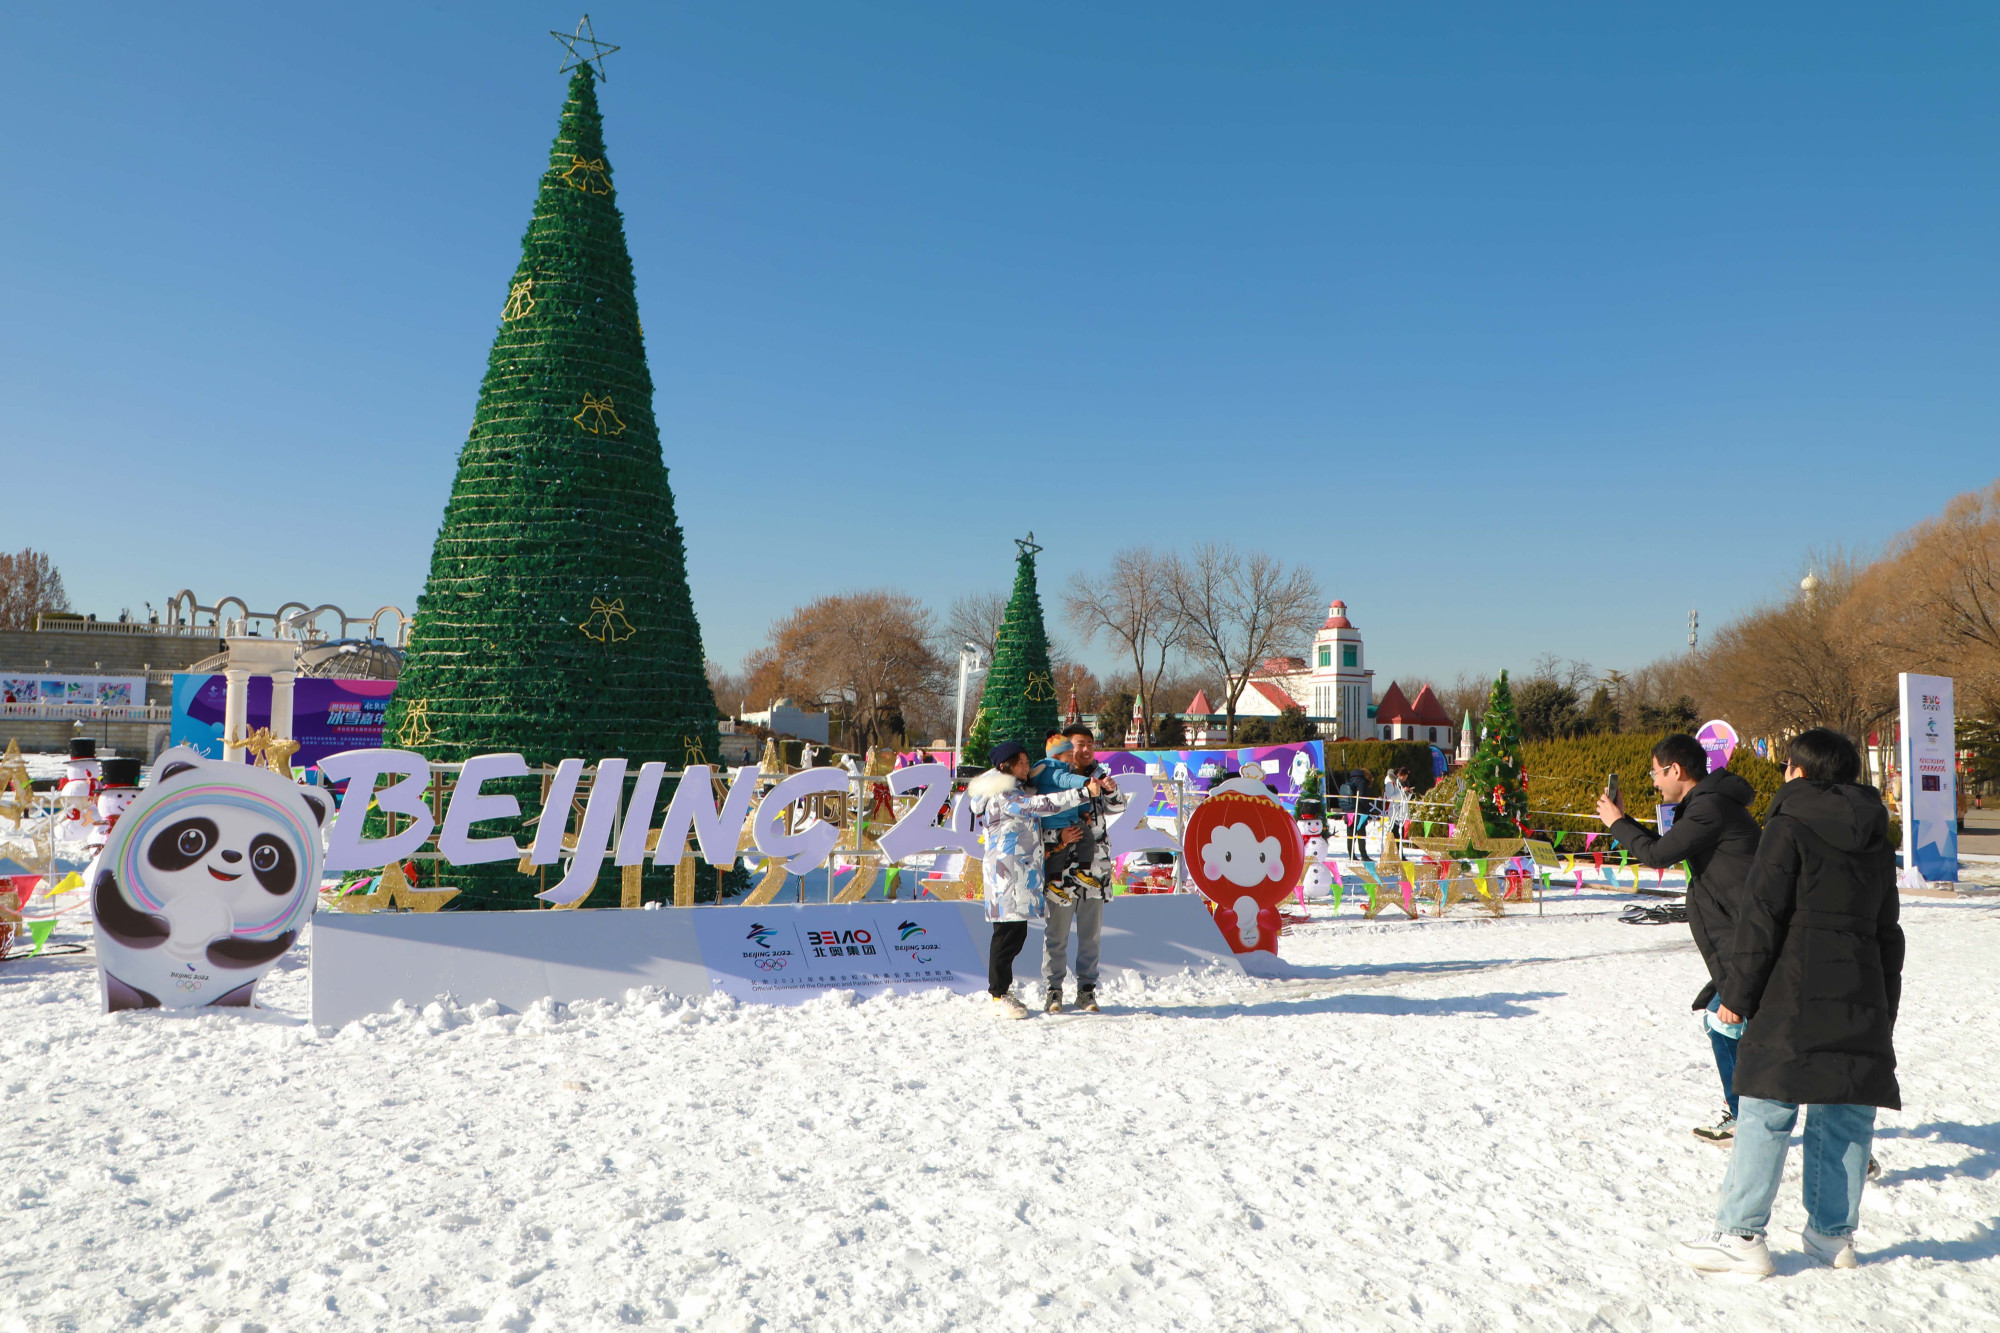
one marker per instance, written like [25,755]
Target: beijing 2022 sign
[213,872]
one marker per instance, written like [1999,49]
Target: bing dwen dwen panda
[206,880]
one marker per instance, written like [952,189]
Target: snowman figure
[79,790]
[1317,881]
[120,788]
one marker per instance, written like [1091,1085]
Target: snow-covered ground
[1447,1125]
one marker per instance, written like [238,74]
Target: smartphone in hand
[1611,790]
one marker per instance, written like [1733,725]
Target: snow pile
[1440,1126]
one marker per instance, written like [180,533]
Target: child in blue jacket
[1065,857]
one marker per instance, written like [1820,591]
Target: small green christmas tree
[1495,771]
[1019,700]
[1310,805]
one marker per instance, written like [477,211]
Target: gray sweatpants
[1088,914]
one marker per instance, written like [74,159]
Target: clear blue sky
[1527,328]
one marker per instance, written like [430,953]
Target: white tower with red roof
[1340,683]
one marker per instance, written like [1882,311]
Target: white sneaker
[1722,1134]
[1744,1257]
[1006,1006]
[1833,1251]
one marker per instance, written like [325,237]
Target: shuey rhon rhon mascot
[1244,854]
[205,881]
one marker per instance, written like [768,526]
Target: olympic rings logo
[772,964]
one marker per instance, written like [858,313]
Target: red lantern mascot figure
[1243,853]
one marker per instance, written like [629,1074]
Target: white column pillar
[281,704]
[235,711]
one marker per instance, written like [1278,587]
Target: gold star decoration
[17,790]
[392,887]
[583,36]
[1041,685]
[607,623]
[520,301]
[603,421]
[587,175]
[1472,842]
[416,728]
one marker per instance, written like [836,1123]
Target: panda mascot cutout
[206,879]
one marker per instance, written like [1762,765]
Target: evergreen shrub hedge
[1565,777]
[1378,757]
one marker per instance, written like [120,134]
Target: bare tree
[1813,659]
[1236,611]
[975,619]
[730,688]
[1074,680]
[29,582]
[866,655]
[1131,603]
[1933,602]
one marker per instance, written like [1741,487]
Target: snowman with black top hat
[82,779]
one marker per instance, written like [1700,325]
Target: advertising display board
[364,964]
[1283,766]
[105,691]
[1720,740]
[790,955]
[1930,779]
[328,715]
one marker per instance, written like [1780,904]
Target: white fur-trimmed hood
[992,782]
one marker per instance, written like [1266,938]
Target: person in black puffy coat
[1714,832]
[1815,972]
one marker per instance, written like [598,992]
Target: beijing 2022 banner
[1283,766]
[328,716]
[1930,778]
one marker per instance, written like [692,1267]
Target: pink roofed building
[1333,683]
[1400,718]
[1204,725]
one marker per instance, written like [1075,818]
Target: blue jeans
[1836,1165]
[1725,1056]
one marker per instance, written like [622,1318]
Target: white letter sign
[809,847]
[346,848]
[456,843]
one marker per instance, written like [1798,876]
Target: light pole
[970,662]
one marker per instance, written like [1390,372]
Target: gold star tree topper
[583,36]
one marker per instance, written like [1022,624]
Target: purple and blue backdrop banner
[328,716]
[1285,767]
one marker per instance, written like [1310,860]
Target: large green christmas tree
[556,620]
[1495,770]
[1019,701]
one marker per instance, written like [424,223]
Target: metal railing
[87,712]
[47,622]
[292,620]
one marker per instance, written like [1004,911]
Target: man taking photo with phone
[1713,831]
